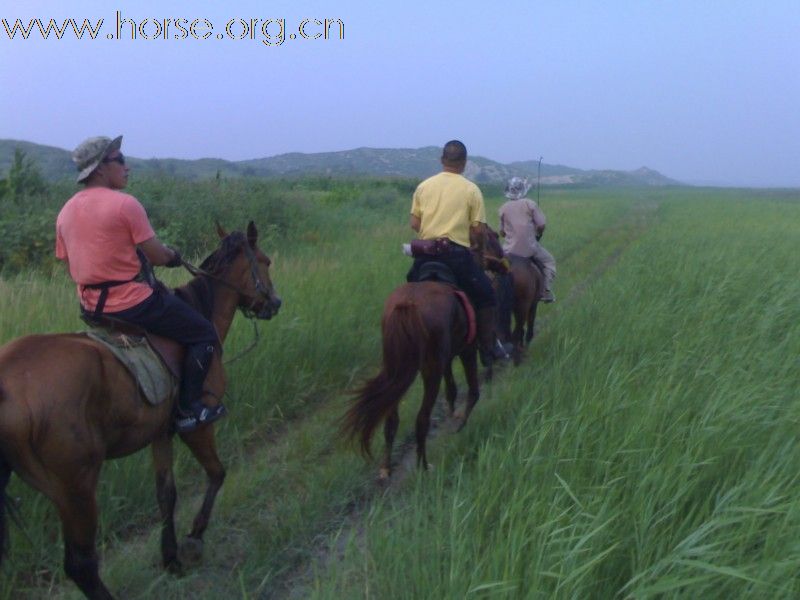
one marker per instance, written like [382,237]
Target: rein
[247,312]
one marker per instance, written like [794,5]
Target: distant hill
[55,163]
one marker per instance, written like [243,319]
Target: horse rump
[404,337]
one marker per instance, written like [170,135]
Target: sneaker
[548,297]
[502,351]
[200,415]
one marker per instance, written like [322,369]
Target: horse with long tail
[67,405]
[424,326]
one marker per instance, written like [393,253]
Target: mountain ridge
[55,163]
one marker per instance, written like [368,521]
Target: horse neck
[215,301]
[226,301]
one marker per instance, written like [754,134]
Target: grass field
[645,447]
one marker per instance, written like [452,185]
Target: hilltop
[416,163]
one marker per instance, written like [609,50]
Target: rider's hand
[176,260]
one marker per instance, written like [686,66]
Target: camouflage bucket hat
[516,188]
[90,153]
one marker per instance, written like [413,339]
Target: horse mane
[199,292]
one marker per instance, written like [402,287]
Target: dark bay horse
[67,404]
[424,327]
[528,283]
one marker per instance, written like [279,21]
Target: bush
[183,213]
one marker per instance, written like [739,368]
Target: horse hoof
[459,422]
[174,567]
[383,475]
[191,550]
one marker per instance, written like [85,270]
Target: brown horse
[66,405]
[528,283]
[424,327]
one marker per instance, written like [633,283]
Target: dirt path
[296,583]
[327,546]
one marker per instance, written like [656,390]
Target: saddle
[155,362]
[440,272]
[436,271]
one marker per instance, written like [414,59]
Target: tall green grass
[601,383]
[648,448]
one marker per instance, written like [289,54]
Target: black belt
[104,286]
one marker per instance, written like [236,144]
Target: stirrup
[200,415]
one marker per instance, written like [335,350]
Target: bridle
[261,288]
[248,312]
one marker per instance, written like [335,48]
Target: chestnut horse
[424,327]
[67,404]
[528,283]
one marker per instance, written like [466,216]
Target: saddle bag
[430,247]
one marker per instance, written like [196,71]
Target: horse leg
[78,512]
[519,331]
[166,494]
[203,447]
[389,431]
[469,361]
[450,389]
[531,321]
[432,379]
[5,475]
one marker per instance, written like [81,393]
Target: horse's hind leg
[520,314]
[450,389]
[5,475]
[201,443]
[389,432]
[166,494]
[531,321]
[78,511]
[469,360]
[432,378]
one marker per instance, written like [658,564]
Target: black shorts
[168,316]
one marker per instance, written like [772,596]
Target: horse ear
[252,234]
[220,231]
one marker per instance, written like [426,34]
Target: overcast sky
[702,91]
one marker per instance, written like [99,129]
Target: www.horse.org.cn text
[270,32]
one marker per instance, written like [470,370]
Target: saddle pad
[146,367]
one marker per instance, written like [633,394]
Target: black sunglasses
[118,158]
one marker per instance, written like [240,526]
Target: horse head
[493,251]
[492,246]
[242,265]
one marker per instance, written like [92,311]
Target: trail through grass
[605,464]
[648,451]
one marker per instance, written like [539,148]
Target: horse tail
[404,337]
